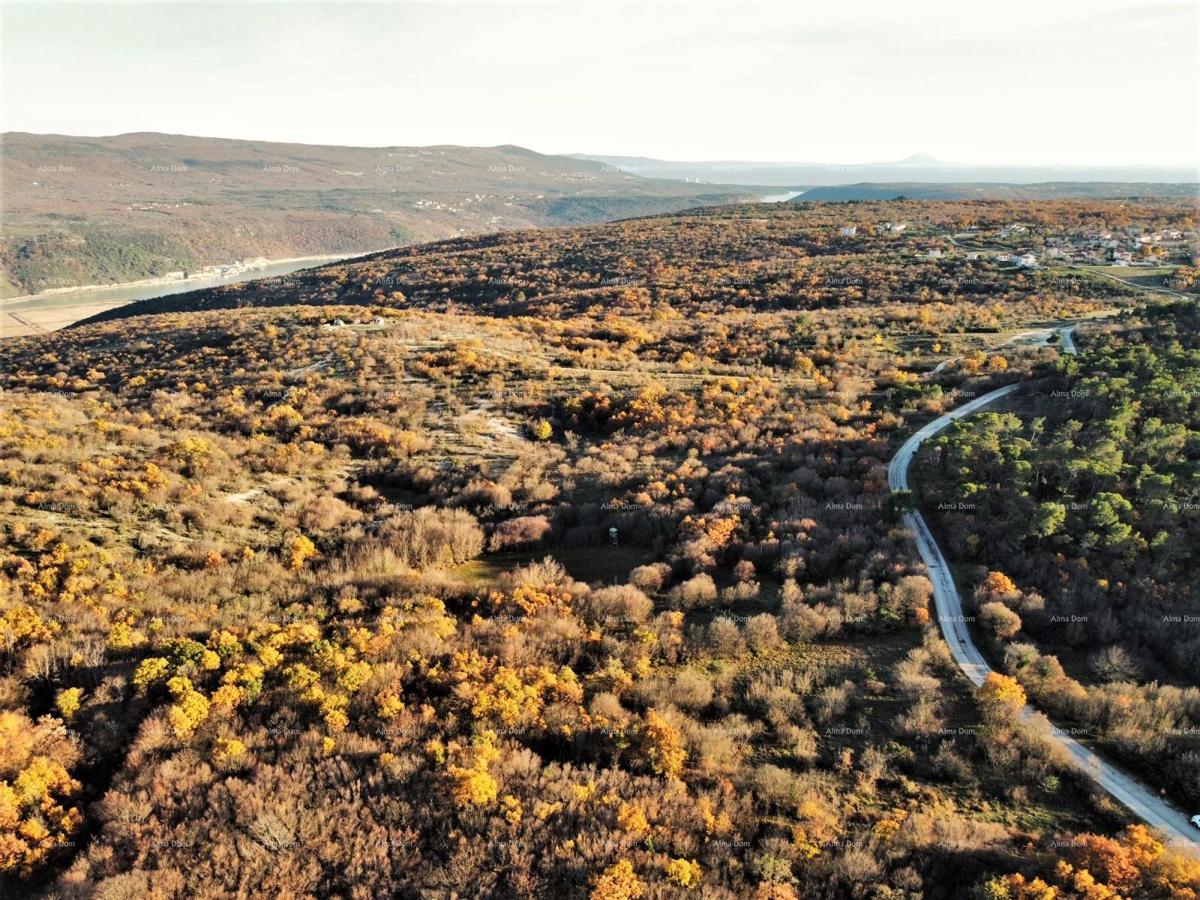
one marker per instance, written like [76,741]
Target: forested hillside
[557,563]
[899,270]
[83,210]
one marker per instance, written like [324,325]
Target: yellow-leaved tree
[1001,695]
[298,550]
[35,788]
[618,882]
[664,745]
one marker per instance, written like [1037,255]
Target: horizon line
[928,161]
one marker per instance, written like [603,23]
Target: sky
[971,81]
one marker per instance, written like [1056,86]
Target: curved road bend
[1042,336]
[1144,803]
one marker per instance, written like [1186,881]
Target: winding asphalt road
[1144,803]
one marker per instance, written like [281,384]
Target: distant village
[1131,246]
[1028,246]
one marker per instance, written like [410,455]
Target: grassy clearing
[587,564]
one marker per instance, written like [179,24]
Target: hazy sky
[1047,81]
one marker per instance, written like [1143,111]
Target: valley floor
[32,314]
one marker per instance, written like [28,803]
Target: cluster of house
[1132,246]
[1123,247]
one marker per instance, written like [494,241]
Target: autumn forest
[564,563]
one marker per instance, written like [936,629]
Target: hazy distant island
[1048,190]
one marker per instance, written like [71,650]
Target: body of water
[781,198]
[119,294]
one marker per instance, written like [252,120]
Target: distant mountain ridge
[100,210]
[920,167]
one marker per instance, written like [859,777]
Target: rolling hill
[750,256]
[102,210]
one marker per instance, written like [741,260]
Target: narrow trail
[1133,284]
